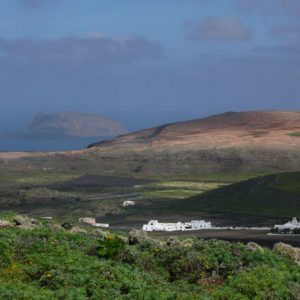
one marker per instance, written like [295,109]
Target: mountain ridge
[257,141]
[257,123]
[75,125]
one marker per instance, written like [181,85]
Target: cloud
[289,37]
[219,29]
[91,49]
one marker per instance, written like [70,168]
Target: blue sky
[146,62]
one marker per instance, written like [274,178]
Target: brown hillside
[231,142]
[231,129]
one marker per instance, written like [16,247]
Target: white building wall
[154,225]
[289,225]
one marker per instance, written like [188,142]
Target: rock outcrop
[288,251]
[25,222]
[137,237]
[173,241]
[101,233]
[5,223]
[140,238]
[188,243]
[252,246]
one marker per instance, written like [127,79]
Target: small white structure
[92,221]
[101,225]
[154,225]
[47,218]
[197,225]
[289,225]
[128,203]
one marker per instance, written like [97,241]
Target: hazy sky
[146,62]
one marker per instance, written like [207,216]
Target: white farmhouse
[128,203]
[289,225]
[197,225]
[154,225]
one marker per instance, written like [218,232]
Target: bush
[110,246]
[67,225]
[204,259]
[47,263]
[259,283]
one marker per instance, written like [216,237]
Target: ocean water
[53,144]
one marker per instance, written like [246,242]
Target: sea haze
[49,144]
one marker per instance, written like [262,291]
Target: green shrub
[67,225]
[47,263]
[110,246]
[259,283]
[294,134]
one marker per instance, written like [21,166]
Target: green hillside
[42,260]
[275,195]
[262,200]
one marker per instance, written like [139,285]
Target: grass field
[224,198]
[273,195]
[262,200]
[35,177]
[177,189]
[295,134]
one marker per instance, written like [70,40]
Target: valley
[224,200]
[231,169]
[227,170]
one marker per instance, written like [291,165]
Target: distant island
[69,124]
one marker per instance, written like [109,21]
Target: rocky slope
[231,142]
[75,125]
[245,141]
